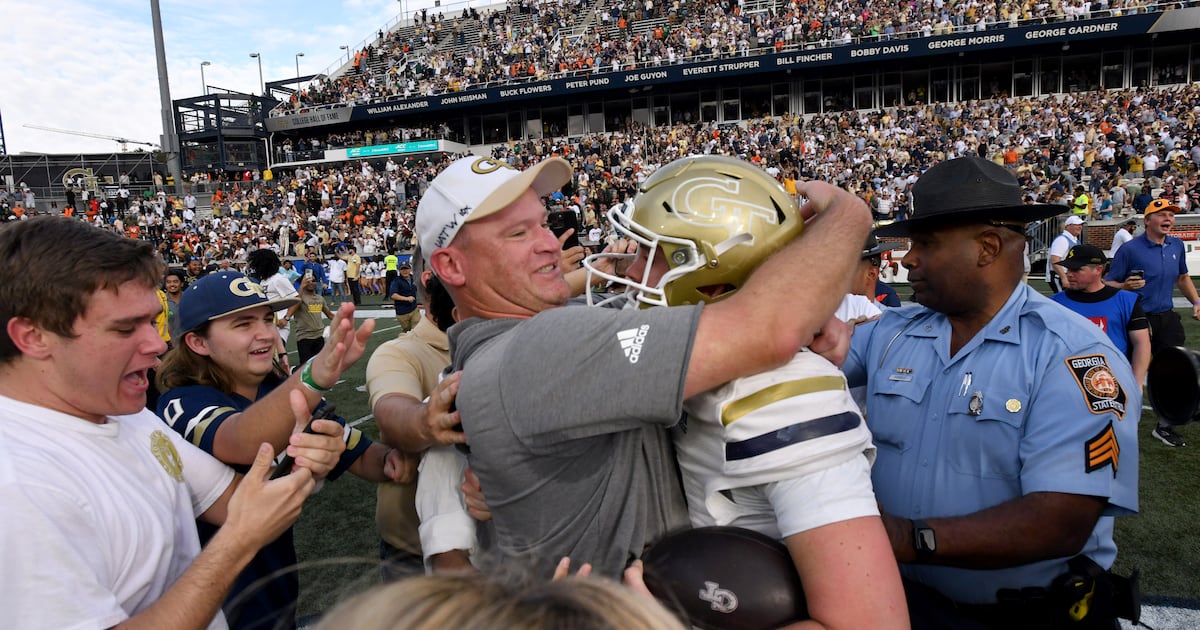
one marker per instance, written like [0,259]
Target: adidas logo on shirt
[632,340]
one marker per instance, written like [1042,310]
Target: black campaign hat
[967,190]
[874,248]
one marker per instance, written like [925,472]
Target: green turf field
[338,546]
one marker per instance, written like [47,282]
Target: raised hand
[260,510]
[572,256]
[345,346]
[320,450]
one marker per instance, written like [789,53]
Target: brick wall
[1100,235]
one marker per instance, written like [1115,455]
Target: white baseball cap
[474,187]
[1074,220]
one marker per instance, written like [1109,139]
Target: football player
[785,452]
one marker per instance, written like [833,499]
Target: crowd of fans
[1111,146]
[304,148]
[532,40]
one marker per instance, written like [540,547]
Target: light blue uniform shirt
[1038,401]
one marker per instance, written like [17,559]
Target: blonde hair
[478,602]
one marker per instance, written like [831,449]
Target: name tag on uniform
[902,374]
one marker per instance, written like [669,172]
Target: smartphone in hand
[564,220]
[323,412]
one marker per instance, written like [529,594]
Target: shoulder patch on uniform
[1100,387]
[1103,450]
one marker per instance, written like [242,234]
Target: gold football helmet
[715,219]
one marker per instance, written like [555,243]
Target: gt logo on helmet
[696,203]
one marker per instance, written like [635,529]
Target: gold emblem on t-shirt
[1013,405]
[164,451]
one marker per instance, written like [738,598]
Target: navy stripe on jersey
[789,435]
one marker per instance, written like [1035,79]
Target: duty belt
[1084,597]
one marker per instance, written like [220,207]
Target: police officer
[1005,426]
[403,292]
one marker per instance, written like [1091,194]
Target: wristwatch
[924,540]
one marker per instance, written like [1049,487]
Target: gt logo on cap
[483,166]
[243,287]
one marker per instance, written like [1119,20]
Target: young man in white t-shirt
[100,498]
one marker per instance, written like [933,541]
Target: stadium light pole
[203,83]
[261,89]
[298,56]
[170,137]
[3,150]
[347,49]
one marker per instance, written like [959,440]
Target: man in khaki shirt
[401,374]
[353,267]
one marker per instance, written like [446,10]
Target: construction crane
[124,141]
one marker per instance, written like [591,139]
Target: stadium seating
[535,40]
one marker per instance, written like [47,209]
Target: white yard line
[377,331]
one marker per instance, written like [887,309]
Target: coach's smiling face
[507,264]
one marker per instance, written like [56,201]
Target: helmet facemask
[682,256]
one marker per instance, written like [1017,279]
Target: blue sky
[90,65]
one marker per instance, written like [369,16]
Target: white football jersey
[744,439]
